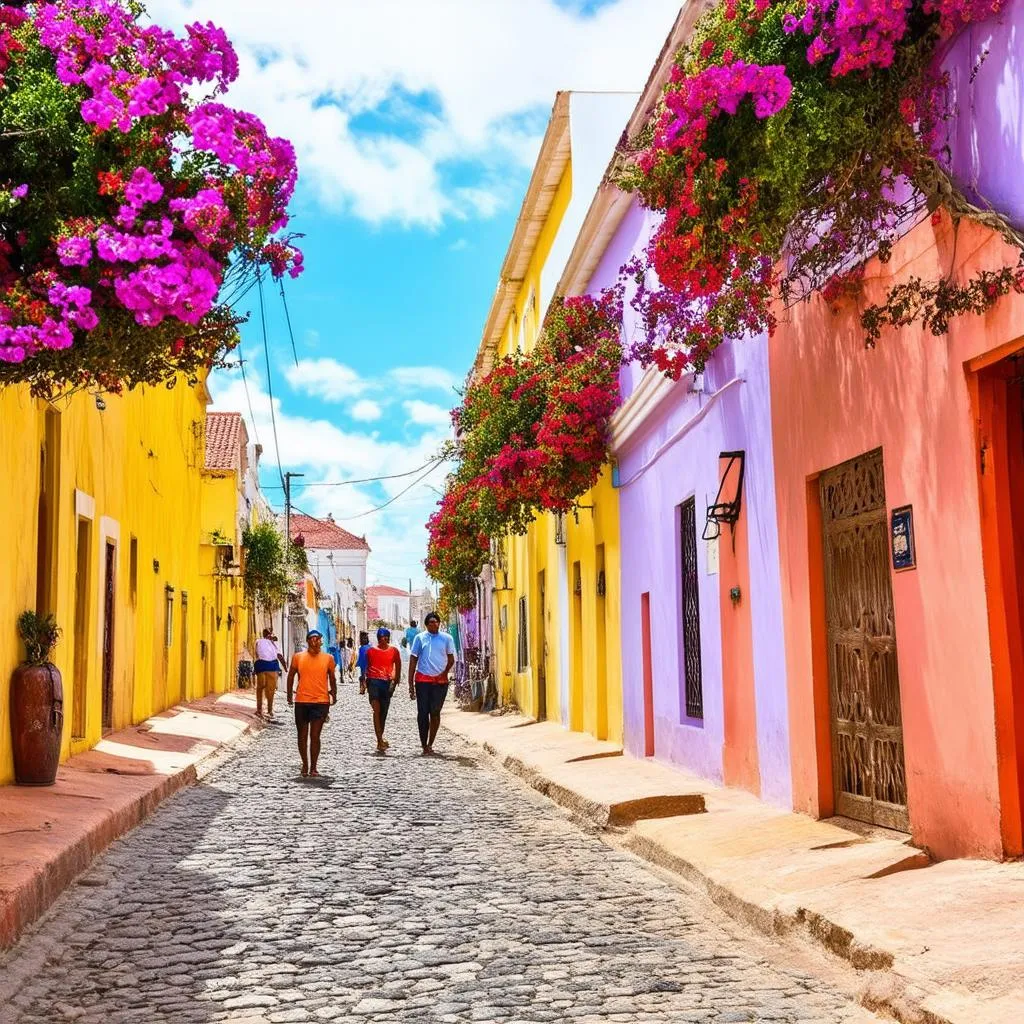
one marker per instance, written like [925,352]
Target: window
[693,698]
[523,658]
[133,569]
[168,616]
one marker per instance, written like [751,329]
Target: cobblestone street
[398,889]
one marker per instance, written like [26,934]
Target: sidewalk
[50,835]
[933,943]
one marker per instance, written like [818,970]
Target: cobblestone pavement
[400,889]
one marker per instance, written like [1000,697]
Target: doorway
[83,589]
[868,775]
[542,658]
[601,643]
[576,652]
[109,564]
[648,670]
[999,398]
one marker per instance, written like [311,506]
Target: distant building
[390,604]
[337,565]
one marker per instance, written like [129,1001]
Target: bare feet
[385,744]
[304,772]
[314,774]
[381,747]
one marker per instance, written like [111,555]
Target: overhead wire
[288,320]
[365,479]
[270,385]
[378,508]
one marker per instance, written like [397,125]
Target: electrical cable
[363,480]
[270,385]
[248,397]
[288,320]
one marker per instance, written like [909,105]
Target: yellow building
[113,523]
[556,615]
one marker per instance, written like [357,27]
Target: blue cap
[383,631]
[314,632]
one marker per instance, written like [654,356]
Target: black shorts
[306,713]
[379,689]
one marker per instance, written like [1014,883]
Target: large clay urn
[37,711]
[37,723]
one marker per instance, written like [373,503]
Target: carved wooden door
[864,691]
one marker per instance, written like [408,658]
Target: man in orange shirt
[316,692]
[383,673]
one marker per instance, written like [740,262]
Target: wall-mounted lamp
[735,594]
[601,585]
[156,565]
[729,500]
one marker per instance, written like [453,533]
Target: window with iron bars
[694,695]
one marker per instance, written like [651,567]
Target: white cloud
[423,378]
[325,452]
[325,378]
[459,245]
[366,410]
[426,414]
[388,103]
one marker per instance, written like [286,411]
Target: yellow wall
[132,472]
[595,676]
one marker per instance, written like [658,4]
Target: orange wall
[833,399]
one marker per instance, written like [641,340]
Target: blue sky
[416,126]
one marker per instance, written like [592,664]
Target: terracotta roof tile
[325,535]
[379,590]
[223,433]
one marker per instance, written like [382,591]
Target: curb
[881,989]
[24,906]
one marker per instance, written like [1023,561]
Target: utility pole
[288,550]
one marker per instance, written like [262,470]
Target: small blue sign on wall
[904,555]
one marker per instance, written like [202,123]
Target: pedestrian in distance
[351,657]
[269,662]
[316,692]
[411,633]
[364,646]
[383,674]
[432,656]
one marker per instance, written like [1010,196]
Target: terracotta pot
[37,723]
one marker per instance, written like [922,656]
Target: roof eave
[547,173]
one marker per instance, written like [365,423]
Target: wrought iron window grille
[726,511]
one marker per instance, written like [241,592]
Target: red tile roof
[325,535]
[372,612]
[223,440]
[379,590]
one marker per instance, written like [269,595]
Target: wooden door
[542,659]
[109,564]
[864,692]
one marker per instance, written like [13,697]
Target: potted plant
[37,703]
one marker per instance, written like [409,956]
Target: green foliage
[271,566]
[40,634]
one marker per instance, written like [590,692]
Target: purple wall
[657,472]
[986,133]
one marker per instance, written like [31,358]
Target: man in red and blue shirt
[382,675]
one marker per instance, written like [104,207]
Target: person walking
[269,662]
[364,646]
[411,633]
[351,658]
[316,692]
[432,656]
[382,674]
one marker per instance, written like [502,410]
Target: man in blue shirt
[411,633]
[432,656]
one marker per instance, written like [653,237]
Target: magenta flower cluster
[171,232]
[863,34]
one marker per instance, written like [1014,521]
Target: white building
[337,562]
[391,604]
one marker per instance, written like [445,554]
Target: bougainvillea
[532,436]
[794,140]
[132,202]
